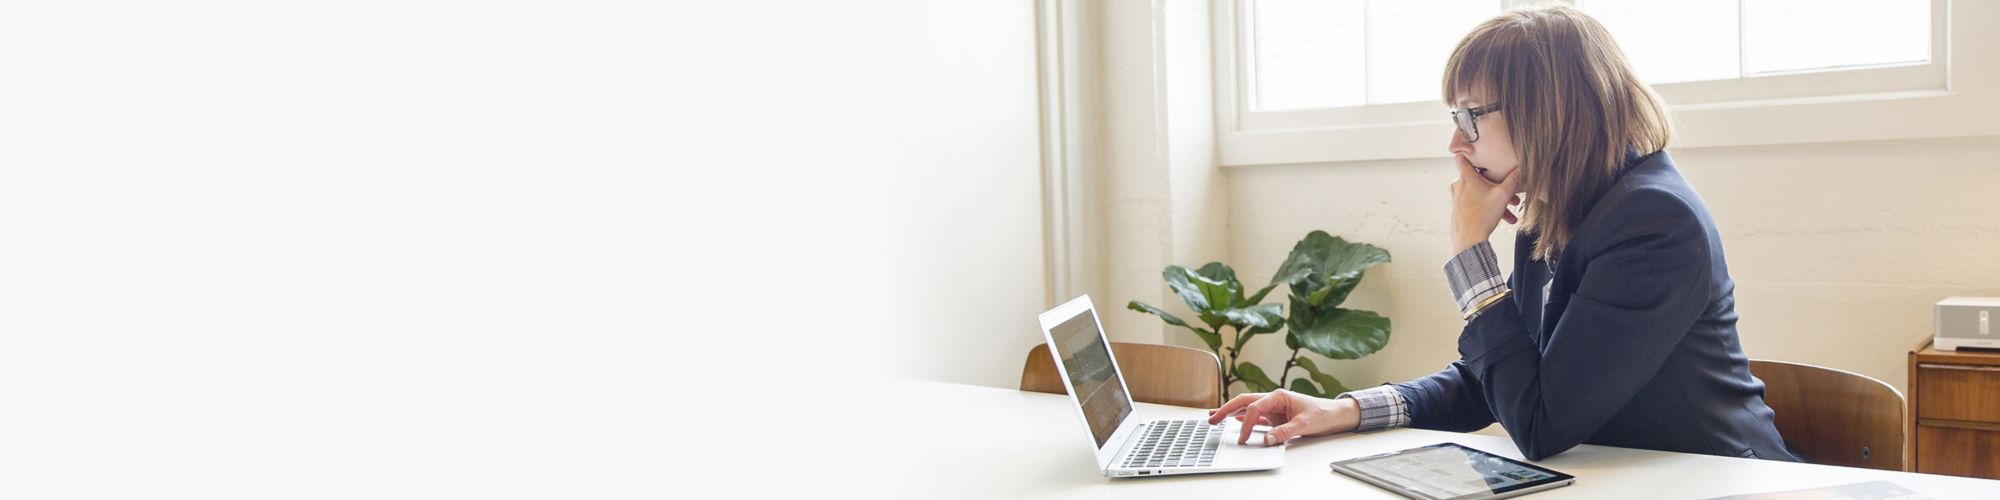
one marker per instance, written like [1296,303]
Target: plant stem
[1289,363]
[1229,363]
[1228,368]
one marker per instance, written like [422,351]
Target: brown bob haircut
[1573,106]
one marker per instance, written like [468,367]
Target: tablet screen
[1449,470]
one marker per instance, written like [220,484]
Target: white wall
[967,252]
[507,249]
[1148,192]
[1136,199]
[1200,192]
[1163,201]
[1838,250]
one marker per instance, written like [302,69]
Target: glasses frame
[1467,120]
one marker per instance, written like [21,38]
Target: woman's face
[1493,156]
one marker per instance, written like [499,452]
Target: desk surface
[985,442]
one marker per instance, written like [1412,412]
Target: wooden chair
[1835,417]
[1159,374]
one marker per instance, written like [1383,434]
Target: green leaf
[1345,333]
[1341,287]
[1213,320]
[1254,377]
[1217,271]
[1164,316]
[1260,330]
[1306,363]
[1332,385]
[1297,266]
[1302,386]
[1291,272]
[1214,340]
[1284,277]
[1333,262]
[1259,297]
[1177,279]
[1264,315]
[1261,318]
[1318,297]
[1219,283]
[1302,314]
[1327,382]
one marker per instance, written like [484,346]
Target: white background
[424,249]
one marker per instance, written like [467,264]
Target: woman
[1618,325]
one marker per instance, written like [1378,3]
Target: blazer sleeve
[1449,400]
[1645,285]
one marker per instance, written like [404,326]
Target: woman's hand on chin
[1478,204]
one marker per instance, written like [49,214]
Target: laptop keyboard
[1176,443]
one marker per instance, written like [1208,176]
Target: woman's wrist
[1346,415]
[1461,243]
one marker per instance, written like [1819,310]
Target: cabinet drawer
[1958,451]
[1958,392]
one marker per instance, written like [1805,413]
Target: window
[1334,80]
[1691,40]
[1316,54]
[1327,54]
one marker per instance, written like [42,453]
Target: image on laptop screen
[1084,356]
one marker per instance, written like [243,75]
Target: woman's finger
[1465,169]
[1281,433]
[1215,416]
[1250,415]
[1509,184]
[1273,403]
[1275,418]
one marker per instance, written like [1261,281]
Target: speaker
[1967,322]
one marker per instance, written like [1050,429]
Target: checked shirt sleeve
[1475,278]
[1381,408]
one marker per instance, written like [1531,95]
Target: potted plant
[1319,273]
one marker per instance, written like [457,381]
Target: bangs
[1469,78]
[1473,65]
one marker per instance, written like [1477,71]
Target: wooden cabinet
[1955,411]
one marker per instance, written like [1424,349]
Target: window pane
[1307,54]
[1409,42]
[1673,40]
[1787,35]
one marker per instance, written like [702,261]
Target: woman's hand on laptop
[1289,414]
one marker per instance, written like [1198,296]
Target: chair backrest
[1835,417]
[1159,374]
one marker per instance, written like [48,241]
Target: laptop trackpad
[1232,429]
[1250,455]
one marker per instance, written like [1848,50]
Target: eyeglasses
[1468,120]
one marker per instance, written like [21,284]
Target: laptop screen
[1081,350]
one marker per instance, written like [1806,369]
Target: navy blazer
[1636,346]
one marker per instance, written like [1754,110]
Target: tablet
[1451,471]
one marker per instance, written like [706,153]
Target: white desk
[982,442]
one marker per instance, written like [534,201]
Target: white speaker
[1967,322]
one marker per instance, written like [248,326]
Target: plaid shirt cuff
[1475,279]
[1381,408]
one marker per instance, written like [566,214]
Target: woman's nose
[1458,144]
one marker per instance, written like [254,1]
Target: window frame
[1900,101]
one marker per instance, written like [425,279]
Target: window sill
[1868,117]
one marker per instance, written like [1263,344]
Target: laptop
[1126,447]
